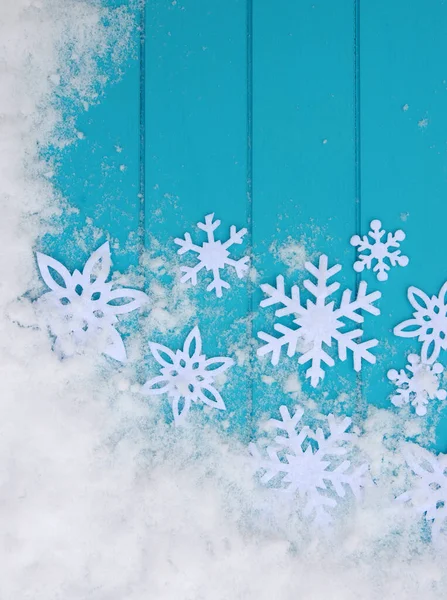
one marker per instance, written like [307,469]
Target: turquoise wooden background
[301,120]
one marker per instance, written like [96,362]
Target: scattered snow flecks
[100,499]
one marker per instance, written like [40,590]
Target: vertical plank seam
[249,193]
[358,170]
[142,125]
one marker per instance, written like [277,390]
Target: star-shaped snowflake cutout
[213,255]
[383,254]
[187,375]
[429,322]
[81,309]
[318,322]
[428,495]
[419,387]
[308,463]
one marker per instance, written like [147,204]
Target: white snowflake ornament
[419,387]
[429,322]
[308,463]
[81,309]
[383,254]
[428,495]
[213,255]
[319,322]
[187,374]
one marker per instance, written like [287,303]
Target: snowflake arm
[316,356]
[292,304]
[363,301]
[360,350]
[321,290]
[236,237]
[378,251]
[274,345]
[213,255]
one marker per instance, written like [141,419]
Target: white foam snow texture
[82,308]
[317,475]
[187,375]
[429,322]
[213,255]
[418,386]
[383,254]
[318,321]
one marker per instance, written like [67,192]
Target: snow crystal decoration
[213,255]
[429,322]
[428,495]
[187,375]
[419,387]
[307,469]
[319,322]
[379,251]
[81,307]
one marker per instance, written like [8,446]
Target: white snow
[98,498]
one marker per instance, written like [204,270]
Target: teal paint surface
[288,120]
[99,174]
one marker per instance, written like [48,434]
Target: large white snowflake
[213,255]
[382,253]
[187,375]
[308,463]
[428,496]
[81,309]
[429,322]
[318,321]
[419,387]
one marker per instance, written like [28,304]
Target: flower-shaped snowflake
[187,375]
[81,309]
[419,387]
[429,322]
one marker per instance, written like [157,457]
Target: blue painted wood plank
[99,174]
[304,166]
[403,166]
[196,137]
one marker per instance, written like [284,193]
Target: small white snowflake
[81,308]
[213,255]
[419,387]
[319,322]
[428,495]
[429,322]
[379,251]
[305,462]
[187,374]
